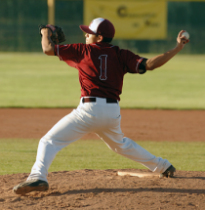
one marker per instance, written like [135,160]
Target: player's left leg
[67,130]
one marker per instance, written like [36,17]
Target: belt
[93,99]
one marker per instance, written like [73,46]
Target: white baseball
[186,34]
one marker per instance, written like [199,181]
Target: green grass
[18,156]
[37,80]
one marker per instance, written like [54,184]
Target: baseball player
[101,67]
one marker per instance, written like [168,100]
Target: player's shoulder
[127,53]
[75,46]
[102,45]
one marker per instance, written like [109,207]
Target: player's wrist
[46,31]
[179,47]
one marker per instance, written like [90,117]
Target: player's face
[91,38]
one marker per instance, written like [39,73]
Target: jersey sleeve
[70,53]
[133,63]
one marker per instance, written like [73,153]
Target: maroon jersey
[101,67]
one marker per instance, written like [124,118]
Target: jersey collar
[102,44]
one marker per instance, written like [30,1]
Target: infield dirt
[103,189]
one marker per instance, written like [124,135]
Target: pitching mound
[104,189]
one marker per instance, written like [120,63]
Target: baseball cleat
[169,172]
[29,186]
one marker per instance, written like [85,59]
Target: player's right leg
[130,149]
[114,138]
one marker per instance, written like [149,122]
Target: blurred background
[19,20]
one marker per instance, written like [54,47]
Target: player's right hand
[181,40]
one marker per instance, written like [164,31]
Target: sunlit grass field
[18,156]
[37,80]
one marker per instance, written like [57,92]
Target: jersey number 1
[103,67]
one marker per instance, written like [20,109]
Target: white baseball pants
[101,118]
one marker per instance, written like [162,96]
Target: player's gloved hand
[57,34]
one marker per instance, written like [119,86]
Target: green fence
[19,20]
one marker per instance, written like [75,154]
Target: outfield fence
[19,20]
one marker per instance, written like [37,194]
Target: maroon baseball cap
[100,26]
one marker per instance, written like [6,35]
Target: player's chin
[87,41]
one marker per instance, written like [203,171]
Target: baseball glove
[57,36]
